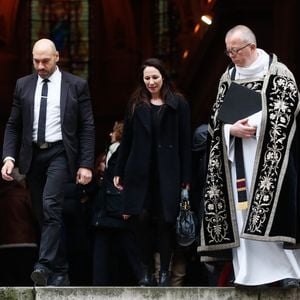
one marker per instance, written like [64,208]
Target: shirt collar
[54,76]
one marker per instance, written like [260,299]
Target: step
[138,293]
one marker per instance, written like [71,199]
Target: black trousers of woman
[155,235]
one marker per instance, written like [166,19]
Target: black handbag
[186,223]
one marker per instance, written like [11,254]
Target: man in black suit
[49,135]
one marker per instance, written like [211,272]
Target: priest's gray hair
[245,33]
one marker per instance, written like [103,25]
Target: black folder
[239,103]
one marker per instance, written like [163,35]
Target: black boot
[164,279]
[147,278]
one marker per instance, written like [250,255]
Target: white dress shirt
[53,118]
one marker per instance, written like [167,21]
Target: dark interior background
[125,32]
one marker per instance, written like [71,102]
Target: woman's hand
[117,183]
[126,217]
[185,185]
[242,129]
[119,186]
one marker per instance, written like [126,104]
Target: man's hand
[242,129]
[7,169]
[84,176]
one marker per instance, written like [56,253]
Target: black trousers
[155,235]
[46,179]
[116,258]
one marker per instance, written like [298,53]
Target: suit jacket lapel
[171,102]
[31,92]
[63,98]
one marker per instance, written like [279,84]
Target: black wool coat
[108,203]
[173,150]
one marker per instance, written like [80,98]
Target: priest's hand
[242,129]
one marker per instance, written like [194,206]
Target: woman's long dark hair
[141,94]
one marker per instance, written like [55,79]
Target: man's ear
[57,56]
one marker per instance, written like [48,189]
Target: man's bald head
[44,45]
[45,57]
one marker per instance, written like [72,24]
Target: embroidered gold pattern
[282,103]
[215,210]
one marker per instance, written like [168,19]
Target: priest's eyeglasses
[234,51]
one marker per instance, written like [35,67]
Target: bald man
[50,137]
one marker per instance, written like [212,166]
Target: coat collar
[172,101]
[143,113]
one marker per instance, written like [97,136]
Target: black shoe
[164,279]
[40,277]
[147,278]
[59,279]
[290,283]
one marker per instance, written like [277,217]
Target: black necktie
[43,111]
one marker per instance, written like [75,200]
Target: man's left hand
[84,176]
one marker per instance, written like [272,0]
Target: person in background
[187,270]
[154,163]
[18,232]
[49,135]
[199,161]
[116,259]
[261,231]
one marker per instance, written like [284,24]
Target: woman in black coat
[154,163]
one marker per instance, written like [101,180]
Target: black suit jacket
[77,123]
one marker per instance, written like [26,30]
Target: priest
[251,198]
